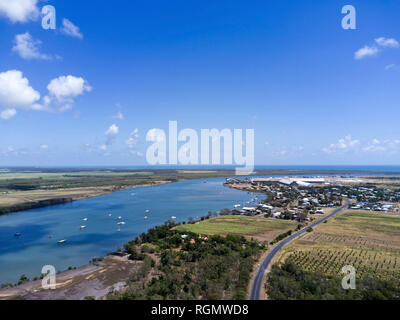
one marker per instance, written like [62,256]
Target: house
[267,207]
[276,215]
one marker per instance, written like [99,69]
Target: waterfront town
[298,198]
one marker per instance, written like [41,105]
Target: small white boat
[110,215]
[147,211]
[118,230]
[121,223]
[145,217]
[85,219]
[83,227]
[173,217]
[119,218]
[62,241]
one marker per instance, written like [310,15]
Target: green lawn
[236,225]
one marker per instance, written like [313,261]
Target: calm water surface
[41,229]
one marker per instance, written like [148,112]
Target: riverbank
[87,282]
[15,201]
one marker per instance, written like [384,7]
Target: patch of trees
[193,268]
[281,237]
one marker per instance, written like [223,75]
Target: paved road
[255,290]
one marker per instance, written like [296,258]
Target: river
[41,229]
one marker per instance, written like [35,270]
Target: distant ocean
[360,168]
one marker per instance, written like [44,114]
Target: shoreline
[62,200]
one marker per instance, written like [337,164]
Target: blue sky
[113,71]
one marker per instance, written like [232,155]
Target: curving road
[255,290]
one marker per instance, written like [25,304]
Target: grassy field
[241,225]
[368,241]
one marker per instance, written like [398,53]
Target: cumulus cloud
[119,116]
[132,141]
[28,48]
[380,44]
[387,43]
[15,91]
[374,146]
[103,147]
[366,52]
[19,10]
[112,130]
[387,146]
[63,90]
[343,145]
[70,29]
[8,114]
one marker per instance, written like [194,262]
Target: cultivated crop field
[383,264]
[370,242]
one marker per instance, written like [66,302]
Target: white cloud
[135,133]
[65,88]
[132,141]
[103,147]
[62,92]
[387,146]
[44,147]
[366,52]
[112,130]
[70,29]
[280,153]
[119,116]
[19,10]
[28,48]
[343,145]
[15,91]
[8,114]
[387,43]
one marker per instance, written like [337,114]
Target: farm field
[370,242]
[17,197]
[240,225]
